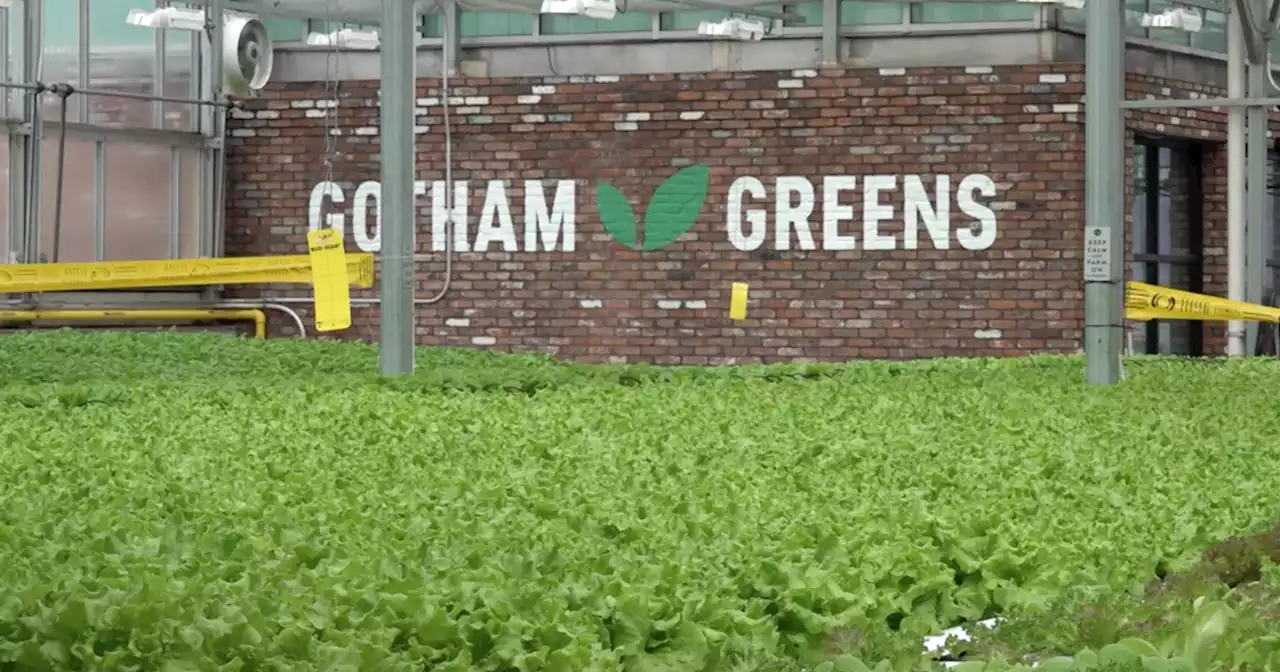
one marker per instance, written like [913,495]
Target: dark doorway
[1168,236]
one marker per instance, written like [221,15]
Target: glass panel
[139,202]
[189,203]
[1175,335]
[631,22]
[1175,213]
[10,58]
[1139,209]
[122,57]
[285,30]
[958,12]
[179,62]
[79,187]
[4,199]
[1213,36]
[690,20]
[61,53]
[858,13]
[432,25]
[494,24]
[1170,35]
[811,11]
[1133,17]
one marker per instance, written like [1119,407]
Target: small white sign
[1097,254]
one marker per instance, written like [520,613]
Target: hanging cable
[332,91]
[63,91]
[446,61]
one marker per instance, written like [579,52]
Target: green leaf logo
[672,209]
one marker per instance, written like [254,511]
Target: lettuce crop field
[189,503]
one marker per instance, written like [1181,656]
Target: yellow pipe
[259,317]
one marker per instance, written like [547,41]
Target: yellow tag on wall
[329,280]
[738,302]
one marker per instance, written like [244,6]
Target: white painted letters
[497,208]
[333,220]
[548,227]
[440,216]
[550,224]
[360,224]
[834,212]
[874,212]
[985,237]
[789,216]
[918,209]
[755,217]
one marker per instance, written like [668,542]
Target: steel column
[830,32]
[1235,178]
[396,333]
[1104,196]
[1256,183]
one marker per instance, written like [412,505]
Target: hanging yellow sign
[1143,302]
[329,280]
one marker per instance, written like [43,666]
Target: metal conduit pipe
[292,314]
[258,317]
[270,305]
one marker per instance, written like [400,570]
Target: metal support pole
[1235,178]
[450,54]
[830,32]
[396,333]
[1256,184]
[1104,196]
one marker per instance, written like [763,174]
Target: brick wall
[1003,141]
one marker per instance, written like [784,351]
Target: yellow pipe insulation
[258,317]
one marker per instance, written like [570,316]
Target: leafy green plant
[179,502]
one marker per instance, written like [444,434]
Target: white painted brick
[669,305]
[467,110]
[476,100]
[790,83]
[268,114]
[428,102]
[316,114]
[695,305]
[591,303]
[544,90]
[606,79]
[528,100]
[987,334]
[335,131]
[692,116]
[1053,78]
[421,130]
[804,73]
[237,113]
[1031,109]
[367,130]
[1066,108]
[534,118]
[326,104]
[638,116]
[457,322]
[302,104]
[457,100]
[978,70]
[243,133]
[892,72]
[626,126]
[484,340]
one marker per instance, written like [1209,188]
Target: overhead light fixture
[592,9]
[733,28]
[1069,4]
[347,38]
[168,18]
[1178,18]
